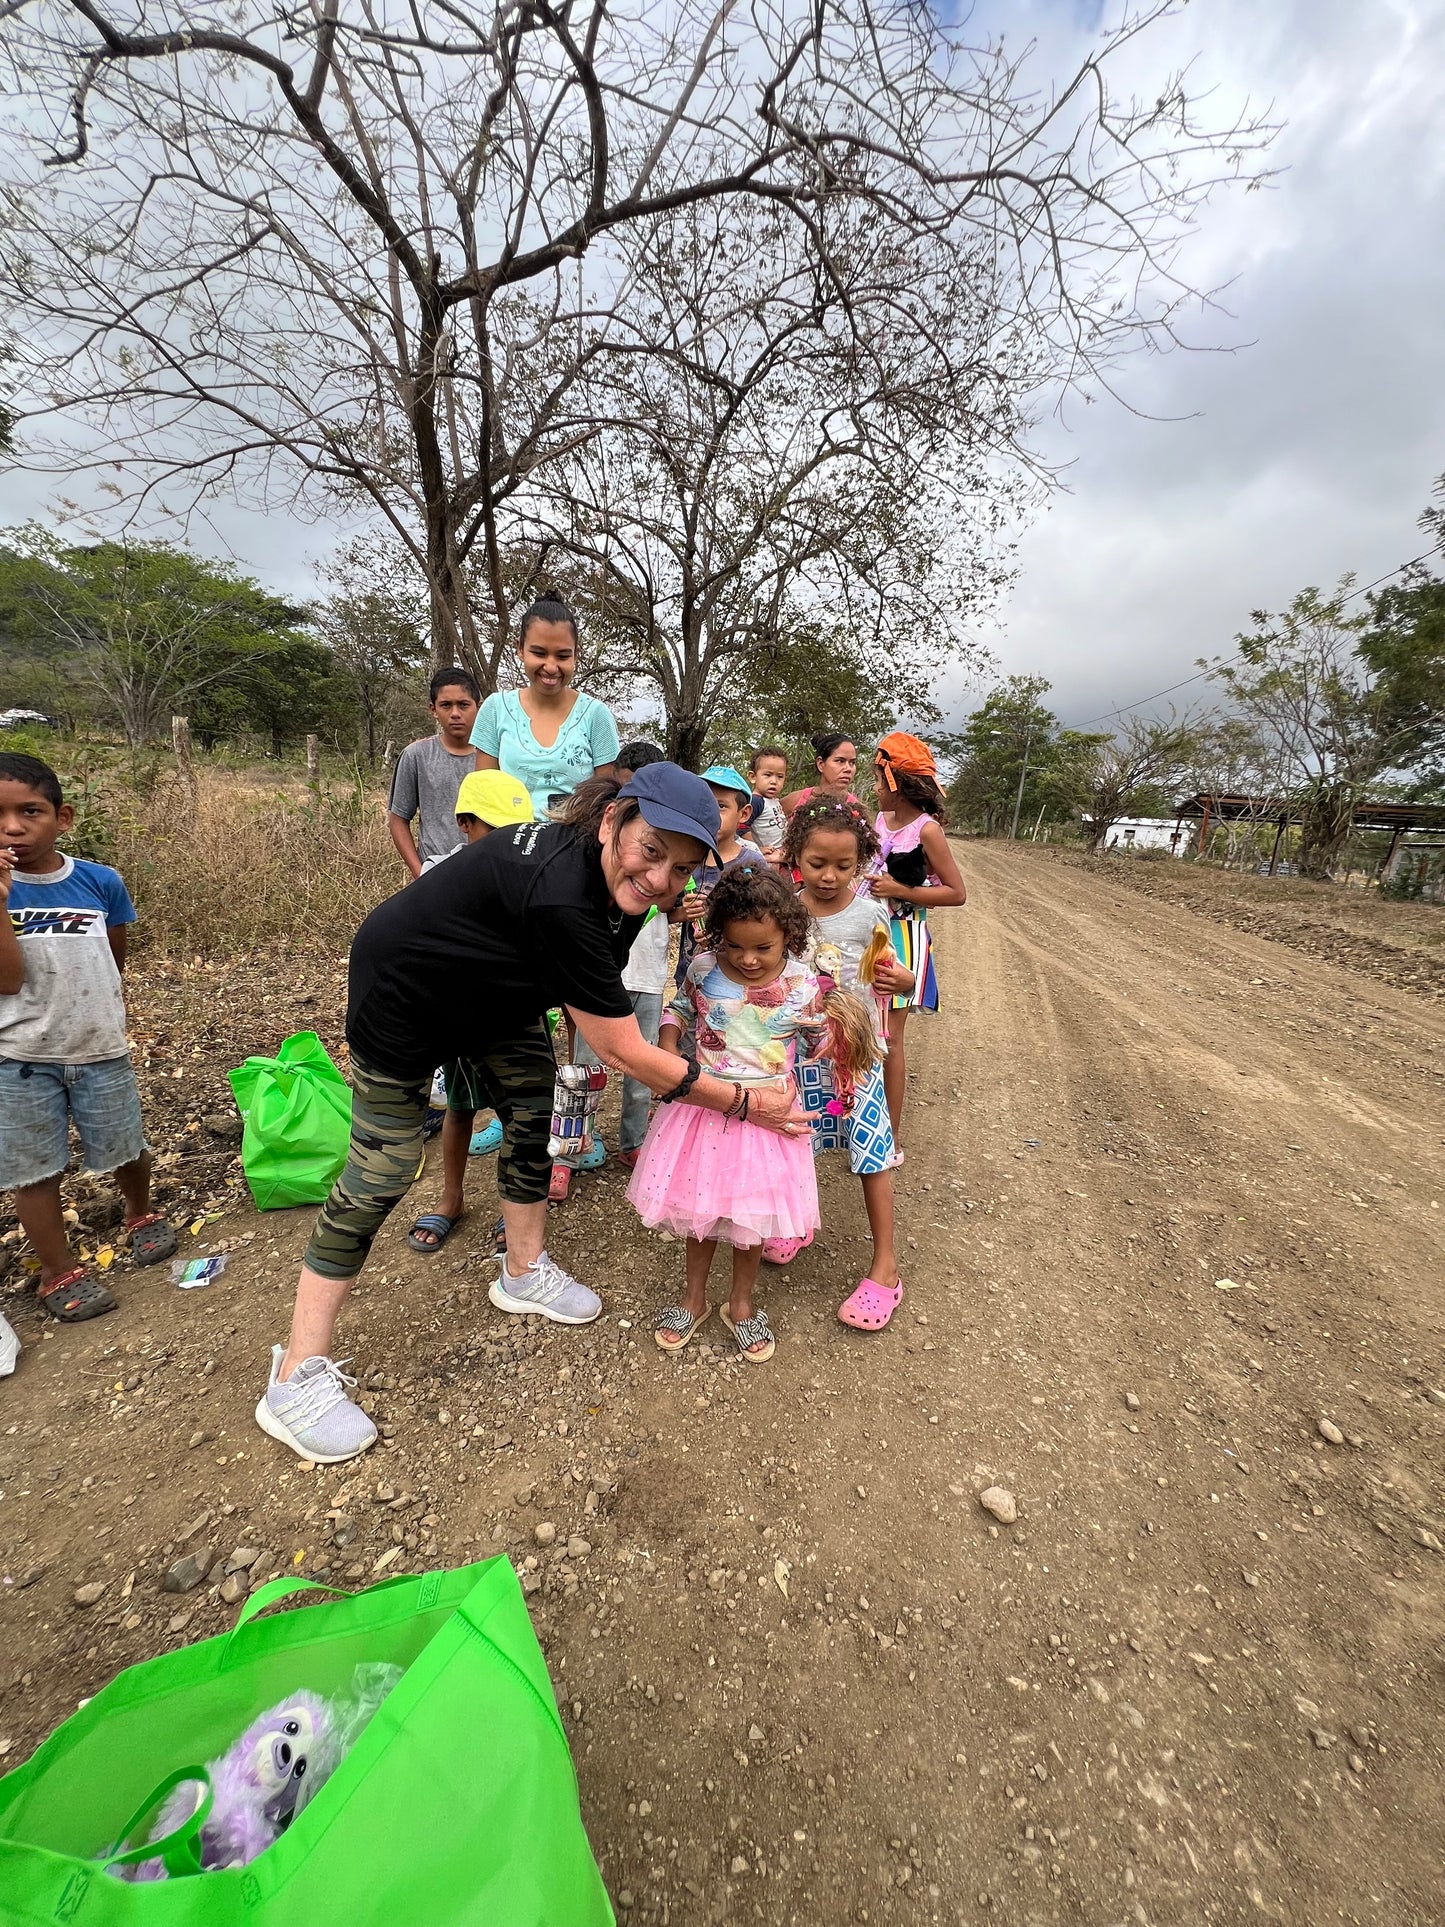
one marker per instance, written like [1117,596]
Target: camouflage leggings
[387,1113]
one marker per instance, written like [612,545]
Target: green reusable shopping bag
[297,1108]
[457,1807]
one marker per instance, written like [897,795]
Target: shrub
[252,867]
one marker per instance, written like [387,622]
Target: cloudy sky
[1311,449]
[1307,449]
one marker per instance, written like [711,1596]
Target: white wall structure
[1150,833]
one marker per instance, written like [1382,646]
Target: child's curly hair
[750,892]
[828,813]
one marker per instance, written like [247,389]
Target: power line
[1200,674]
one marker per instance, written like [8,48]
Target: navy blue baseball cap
[674,799]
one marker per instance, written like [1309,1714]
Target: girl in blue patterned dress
[829,846]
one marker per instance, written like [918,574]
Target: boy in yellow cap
[487,800]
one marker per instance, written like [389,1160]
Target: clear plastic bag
[9,1347]
[575,1098]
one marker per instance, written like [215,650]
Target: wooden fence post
[313,763]
[181,742]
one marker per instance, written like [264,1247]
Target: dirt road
[1174,1194]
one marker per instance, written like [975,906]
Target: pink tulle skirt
[704,1176]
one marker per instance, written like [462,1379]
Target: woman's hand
[776,1108]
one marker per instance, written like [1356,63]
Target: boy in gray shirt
[429,773]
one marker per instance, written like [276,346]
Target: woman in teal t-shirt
[548,735]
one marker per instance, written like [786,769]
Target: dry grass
[252,866]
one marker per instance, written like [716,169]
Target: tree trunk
[685,740]
[1324,829]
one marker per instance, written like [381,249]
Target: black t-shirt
[478,948]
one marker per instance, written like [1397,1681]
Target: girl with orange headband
[914,872]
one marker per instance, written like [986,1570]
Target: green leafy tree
[1012,735]
[1403,646]
[1346,695]
[151,629]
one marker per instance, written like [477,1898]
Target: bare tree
[1145,755]
[338,250]
[780,449]
[374,624]
[1236,756]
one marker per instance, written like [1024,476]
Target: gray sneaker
[548,1291]
[311,1412]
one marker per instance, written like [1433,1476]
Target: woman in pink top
[837,760]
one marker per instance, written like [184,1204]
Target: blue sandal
[438,1224]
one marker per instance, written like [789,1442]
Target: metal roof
[1269,809]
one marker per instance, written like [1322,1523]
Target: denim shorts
[37,1104]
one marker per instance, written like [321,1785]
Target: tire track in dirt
[806,1678]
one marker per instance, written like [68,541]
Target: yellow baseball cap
[494,797]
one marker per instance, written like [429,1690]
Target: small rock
[755,1734]
[578,1547]
[179,1621]
[196,1438]
[343,1533]
[244,1557]
[88,1595]
[1321,1738]
[1250,1578]
[188,1572]
[224,1125]
[234,1587]
[1357,1765]
[1327,1429]
[29,1577]
[1133,1401]
[544,1533]
[1435,1395]
[739,1865]
[1428,1539]
[998,1500]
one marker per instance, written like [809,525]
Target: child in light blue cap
[734,796]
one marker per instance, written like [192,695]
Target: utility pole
[1023,772]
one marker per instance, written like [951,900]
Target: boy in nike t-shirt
[63,1053]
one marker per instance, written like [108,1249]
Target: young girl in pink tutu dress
[744,1004]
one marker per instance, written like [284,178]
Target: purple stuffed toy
[259,1785]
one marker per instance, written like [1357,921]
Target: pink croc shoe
[871,1306]
[782,1251]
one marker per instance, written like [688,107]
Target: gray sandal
[675,1319]
[751,1331]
